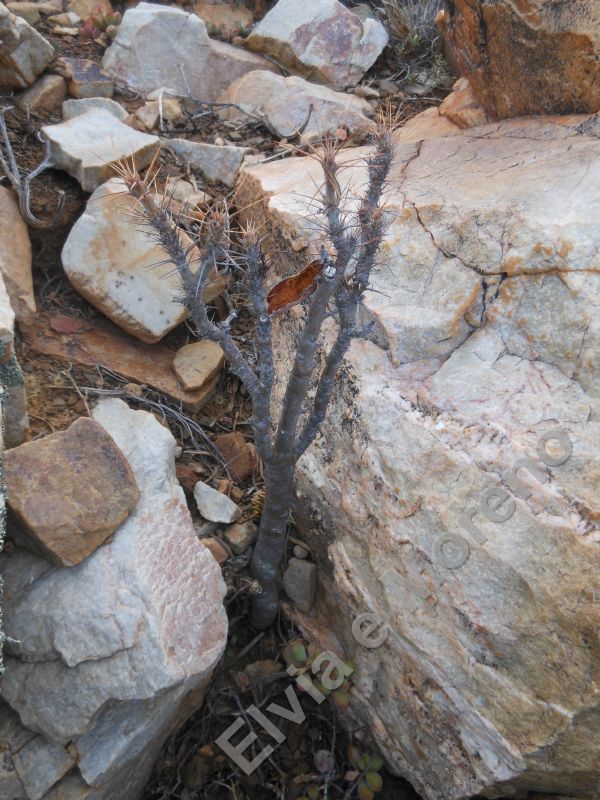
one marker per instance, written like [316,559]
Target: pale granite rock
[215,506]
[73,107]
[198,363]
[112,262]
[486,340]
[45,95]
[24,53]
[7,325]
[322,41]
[89,145]
[26,10]
[109,656]
[213,161]
[158,46]
[462,108]
[15,257]
[292,104]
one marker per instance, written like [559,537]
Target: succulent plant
[101,24]
[369,764]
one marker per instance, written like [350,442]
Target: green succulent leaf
[363,791]
[373,781]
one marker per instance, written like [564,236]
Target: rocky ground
[133,487]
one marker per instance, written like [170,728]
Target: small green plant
[297,654]
[228,34]
[369,781]
[416,42]
[101,25]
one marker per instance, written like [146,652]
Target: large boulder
[321,40]
[527,57]
[158,46]
[107,657]
[24,53]
[292,104]
[483,352]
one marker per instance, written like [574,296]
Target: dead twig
[22,184]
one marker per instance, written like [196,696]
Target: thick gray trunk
[270,547]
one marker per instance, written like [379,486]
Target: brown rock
[85,8]
[15,257]
[427,124]
[237,454]
[240,536]
[85,78]
[198,364]
[527,57]
[187,477]
[223,16]
[216,548]
[104,344]
[45,95]
[49,7]
[461,107]
[70,491]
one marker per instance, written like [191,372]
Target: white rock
[112,262]
[24,53]
[486,338]
[112,654]
[322,41]
[68,18]
[73,108]
[7,325]
[88,145]
[45,95]
[15,257]
[213,161]
[293,104]
[183,191]
[40,764]
[215,506]
[14,397]
[158,46]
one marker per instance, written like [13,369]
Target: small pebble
[300,552]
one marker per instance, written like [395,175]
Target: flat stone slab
[102,343]
[75,107]
[70,490]
[89,145]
